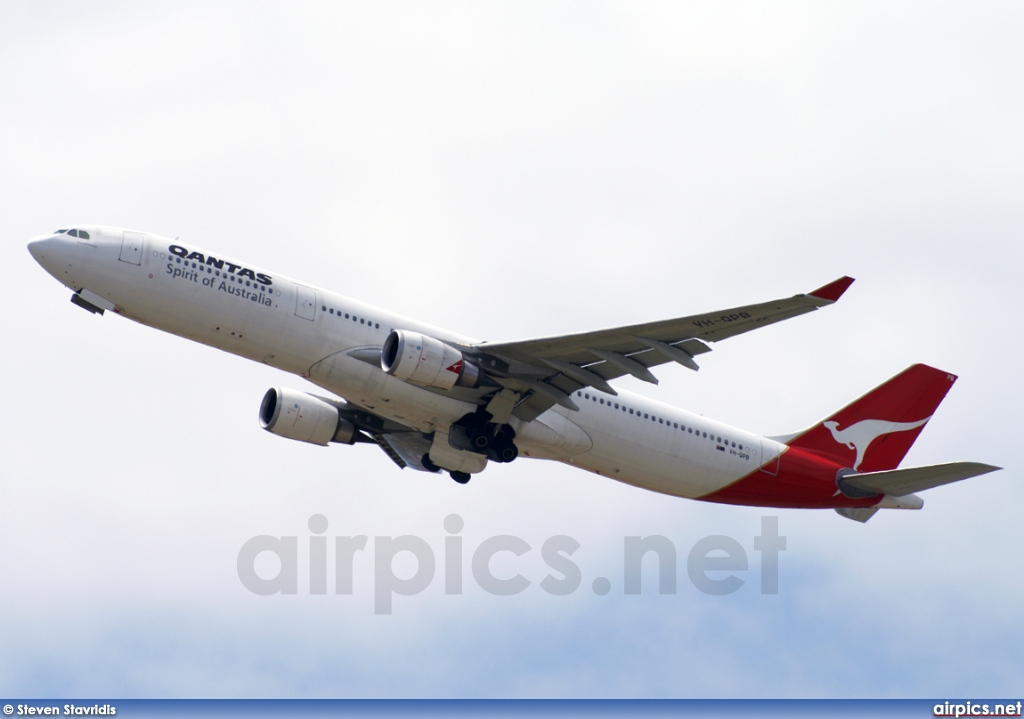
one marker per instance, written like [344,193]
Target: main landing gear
[460,477]
[476,433]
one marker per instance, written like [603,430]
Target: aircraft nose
[39,248]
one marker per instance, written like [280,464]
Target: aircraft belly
[658,470]
[370,387]
[659,457]
[552,435]
[259,331]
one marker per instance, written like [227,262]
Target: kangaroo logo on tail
[860,435]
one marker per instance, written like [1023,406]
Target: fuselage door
[770,458]
[131,247]
[305,302]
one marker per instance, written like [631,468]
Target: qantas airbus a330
[434,400]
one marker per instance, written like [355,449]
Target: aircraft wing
[404,445]
[406,449]
[540,373]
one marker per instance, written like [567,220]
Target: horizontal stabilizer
[899,482]
[857,514]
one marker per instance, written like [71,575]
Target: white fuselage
[308,331]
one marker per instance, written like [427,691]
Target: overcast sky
[509,170]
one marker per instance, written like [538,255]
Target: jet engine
[423,360]
[305,417]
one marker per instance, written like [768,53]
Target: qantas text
[212,261]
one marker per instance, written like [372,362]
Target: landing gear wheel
[502,452]
[503,449]
[460,477]
[480,438]
[508,453]
[428,464]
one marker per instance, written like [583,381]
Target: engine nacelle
[305,417]
[422,360]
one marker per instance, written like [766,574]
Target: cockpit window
[59,232]
[79,233]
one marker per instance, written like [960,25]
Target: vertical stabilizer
[875,432]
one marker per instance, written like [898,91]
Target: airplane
[435,401]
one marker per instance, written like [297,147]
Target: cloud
[510,173]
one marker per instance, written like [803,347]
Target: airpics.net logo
[716,565]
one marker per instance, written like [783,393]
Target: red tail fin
[875,432]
